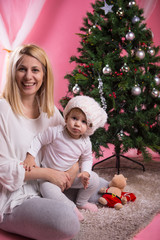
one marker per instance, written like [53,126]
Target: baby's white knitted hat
[95,114]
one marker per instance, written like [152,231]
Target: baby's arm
[84,176]
[29,162]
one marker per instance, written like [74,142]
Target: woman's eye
[35,70]
[21,69]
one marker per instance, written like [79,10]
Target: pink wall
[55,31]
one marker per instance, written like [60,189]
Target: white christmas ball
[157,80]
[140,54]
[155,92]
[130,35]
[136,90]
[76,89]
[107,70]
[151,51]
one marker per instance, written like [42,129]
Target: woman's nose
[28,74]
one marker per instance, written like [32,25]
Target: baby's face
[76,123]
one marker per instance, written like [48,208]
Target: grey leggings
[51,191]
[41,218]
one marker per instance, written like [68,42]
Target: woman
[26,108]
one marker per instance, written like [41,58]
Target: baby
[66,145]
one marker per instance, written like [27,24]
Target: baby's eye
[85,122]
[74,118]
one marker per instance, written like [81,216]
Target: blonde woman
[26,108]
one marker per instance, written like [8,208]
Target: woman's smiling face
[29,76]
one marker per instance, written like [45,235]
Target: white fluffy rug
[124,224]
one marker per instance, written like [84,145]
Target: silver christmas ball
[131,3]
[107,70]
[136,90]
[76,89]
[125,68]
[151,51]
[157,80]
[135,19]
[155,92]
[140,54]
[130,35]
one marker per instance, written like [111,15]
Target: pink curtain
[16,21]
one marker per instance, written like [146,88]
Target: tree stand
[118,155]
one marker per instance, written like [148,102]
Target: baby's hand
[29,162]
[84,178]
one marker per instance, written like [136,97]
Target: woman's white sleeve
[11,172]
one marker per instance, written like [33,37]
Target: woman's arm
[61,179]
[73,172]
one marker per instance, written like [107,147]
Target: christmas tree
[117,65]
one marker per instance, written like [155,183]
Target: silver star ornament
[107,8]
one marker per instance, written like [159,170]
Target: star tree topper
[107,8]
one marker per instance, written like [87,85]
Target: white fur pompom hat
[95,114]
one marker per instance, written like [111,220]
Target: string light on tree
[90,29]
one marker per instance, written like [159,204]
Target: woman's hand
[61,179]
[73,172]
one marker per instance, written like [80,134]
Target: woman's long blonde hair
[45,94]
